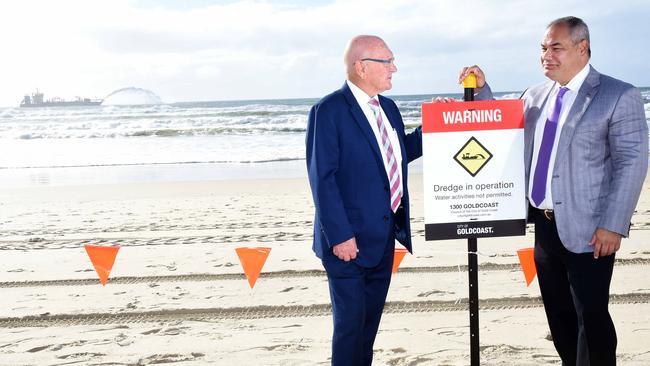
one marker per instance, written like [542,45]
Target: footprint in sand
[38,349]
[123,340]
[169,358]
[152,331]
[434,292]
[84,355]
[170,267]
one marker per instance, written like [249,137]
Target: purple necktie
[545,148]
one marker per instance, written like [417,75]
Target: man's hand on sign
[444,100]
[480,76]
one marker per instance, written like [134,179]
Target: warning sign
[473,169]
[473,156]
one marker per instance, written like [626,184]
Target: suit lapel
[392,118]
[538,101]
[537,106]
[383,101]
[585,95]
[362,122]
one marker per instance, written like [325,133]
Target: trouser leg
[590,280]
[575,291]
[376,289]
[346,283]
[556,290]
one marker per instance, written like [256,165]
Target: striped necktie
[394,179]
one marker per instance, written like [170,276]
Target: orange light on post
[470,81]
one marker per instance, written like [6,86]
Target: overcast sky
[197,50]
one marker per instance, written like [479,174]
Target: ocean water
[254,139]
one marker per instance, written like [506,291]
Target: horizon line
[316,98]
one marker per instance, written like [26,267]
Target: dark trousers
[575,291]
[358,295]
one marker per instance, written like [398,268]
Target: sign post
[473,179]
[469,84]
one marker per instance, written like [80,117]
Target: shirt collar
[361,96]
[575,83]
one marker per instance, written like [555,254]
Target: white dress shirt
[567,102]
[363,99]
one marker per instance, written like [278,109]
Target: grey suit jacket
[602,157]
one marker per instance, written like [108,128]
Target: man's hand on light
[480,76]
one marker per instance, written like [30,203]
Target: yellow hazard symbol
[473,156]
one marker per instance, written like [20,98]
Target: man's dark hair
[577,29]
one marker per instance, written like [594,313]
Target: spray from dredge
[132,96]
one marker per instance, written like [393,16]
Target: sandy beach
[177,293]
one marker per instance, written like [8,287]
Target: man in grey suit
[586,157]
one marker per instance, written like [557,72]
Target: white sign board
[473,169]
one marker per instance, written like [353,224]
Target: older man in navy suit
[586,155]
[357,157]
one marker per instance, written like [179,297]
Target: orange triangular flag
[102,259]
[527,261]
[397,259]
[252,260]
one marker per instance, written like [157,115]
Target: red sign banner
[473,116]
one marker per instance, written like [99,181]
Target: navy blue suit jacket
[348,179]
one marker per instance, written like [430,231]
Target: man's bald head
[369,64]
[359,48]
